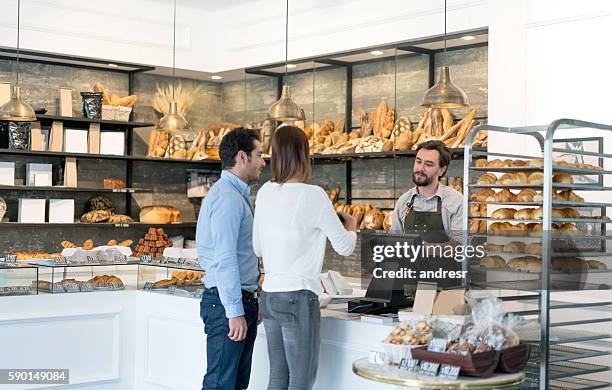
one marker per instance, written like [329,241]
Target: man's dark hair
[234,141]
[445,154]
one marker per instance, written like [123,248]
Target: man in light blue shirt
[229,308]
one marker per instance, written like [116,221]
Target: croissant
[68,244]
[481,163]
[514,247]
[509,179]
[536,178]
[504,195]
[497,163]
[536,162]
[526,195]
[503,213]
[563,178]
[570,196]
[482,195]
[524,214]
[487,178]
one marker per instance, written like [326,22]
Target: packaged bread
[493,262]
[487,178]
[514,247]
[526,264]
[160,214]
[503,213]
[177,149]
[563,178]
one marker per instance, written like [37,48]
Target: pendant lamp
[17,110]
[445,94]
[173,120]
[285,109]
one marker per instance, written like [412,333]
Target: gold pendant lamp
[173,120]
[285,109]
[445,93]
[17,110]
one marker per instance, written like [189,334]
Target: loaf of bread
[524,214]
[160,214]
[534,248]
[503,213]
[569,229]
[514,247]
[493,262]
[570,196]
[536,162]
[595,264]
[497,163]
[568,212]
[481,163]
[563,178]
[526,264]
[568,264]
[536,178]
[487,178]
[526,195]
[489,247]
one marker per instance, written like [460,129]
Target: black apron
[428,224]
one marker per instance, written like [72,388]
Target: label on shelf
[57,288]
[198,293]
[16,290]
[93,259]
[163,260]
[87,287]
[147,286]
[449,372]
[181,261]
[409,364]
[146,259]
[120,259]
[122,225]
[171,289]
[61,260]
[429,368]
[113,286]
[72,288]
[10,259]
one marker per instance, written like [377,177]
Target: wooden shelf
[85,122]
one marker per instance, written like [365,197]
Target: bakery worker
[430,208]
[229,308]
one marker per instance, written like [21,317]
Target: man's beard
[423,180]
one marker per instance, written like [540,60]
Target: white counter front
[142,340]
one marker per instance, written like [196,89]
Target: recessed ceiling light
[215,77]
[468,37]
[291,66]
[112,65]
[377,52]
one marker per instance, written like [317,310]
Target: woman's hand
[349,222]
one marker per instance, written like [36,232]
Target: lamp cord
[445,33]
[174,51]
[18,28]
[287,43]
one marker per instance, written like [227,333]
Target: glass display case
[17,279]
[61,275]
[181,277]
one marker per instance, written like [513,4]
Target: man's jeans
[228,363]
[293,331]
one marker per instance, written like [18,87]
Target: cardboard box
[61,210]
[65,106]
[450,302]
[112,142]
[94,138]
[75,141]
[39,175]
[7,173]
[424,298]
[32,210]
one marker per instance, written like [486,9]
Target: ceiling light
[468,37]
[377,52]
[216,77]
[291,66]
[112,65]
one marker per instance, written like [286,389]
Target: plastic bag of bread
[489,327]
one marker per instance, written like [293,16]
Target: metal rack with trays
[553,364]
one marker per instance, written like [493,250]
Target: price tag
[120,259]
[437,345]
[93,259]
[181,261]
[57,288]
[113,286]
[10,259]
[198,293]
[15,290]
[171,289]
[163,260]
[409,364]
[146,259]
[61,260]
[449,372]
[148,286]
[377,358]
[429,368]
[122,225]
[87,287]
[72,288]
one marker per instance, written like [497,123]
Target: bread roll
[514,247]
[570,196]
[569,228]
[481,163]
[494,247]
[526,264]
[595,264]
[534,248]
[503,213]
[563,178]
[526,195]
[568,212]
[504,195]
[536,162]
[536,178]
[538,197]
[160,214]
[497,163]
[499,228]
[524,214]
[482,194]
[493,262]
[520,163]
[486,178]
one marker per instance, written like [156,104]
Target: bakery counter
[144,340]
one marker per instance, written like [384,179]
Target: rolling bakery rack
[559,350]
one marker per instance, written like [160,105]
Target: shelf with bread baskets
[81,122]
[564,231]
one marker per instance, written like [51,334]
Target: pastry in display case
[67,277]
[171,276]
[16,278]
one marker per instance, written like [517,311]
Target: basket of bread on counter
[479,345]
[506,207]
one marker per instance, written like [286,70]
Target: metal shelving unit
[554,364]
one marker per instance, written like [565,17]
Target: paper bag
[70,172]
